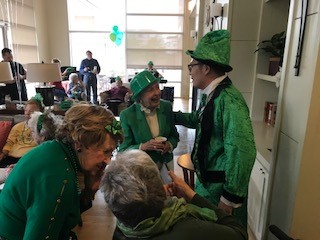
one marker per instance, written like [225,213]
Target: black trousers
[12,90]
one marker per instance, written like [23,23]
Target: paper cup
[160,139]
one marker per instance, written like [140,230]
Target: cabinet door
[257,199]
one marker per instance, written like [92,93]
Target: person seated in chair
[58,91]
[118,92]
[20,140]
[146,209]
[154,71]
[76,88]
[43,128]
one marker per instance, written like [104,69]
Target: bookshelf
[266,77]
[273,19]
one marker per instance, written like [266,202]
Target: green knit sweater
[40,197]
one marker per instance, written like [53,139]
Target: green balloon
[113,37]
[115,28]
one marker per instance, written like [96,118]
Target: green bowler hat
[214,47]
[141,81]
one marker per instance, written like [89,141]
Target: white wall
[295,111]
[52,30]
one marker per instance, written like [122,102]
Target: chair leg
[191,180]
[185,176]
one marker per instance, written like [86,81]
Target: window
[92,21]
[19,32]
[162,43]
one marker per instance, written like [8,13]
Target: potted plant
[274,46]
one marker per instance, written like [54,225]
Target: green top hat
[150,63]
[214,47]
[141,81]
[118,78]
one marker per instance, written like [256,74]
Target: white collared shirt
[152,120]
[212,86]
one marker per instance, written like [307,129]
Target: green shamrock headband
[38,98]
[115,127]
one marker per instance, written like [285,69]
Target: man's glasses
[190,66]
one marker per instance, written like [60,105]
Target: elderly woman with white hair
[44,126]
[148,124]
[76,88]
[134,192]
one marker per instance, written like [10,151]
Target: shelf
[263,136]
[266,77]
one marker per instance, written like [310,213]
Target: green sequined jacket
[231,148]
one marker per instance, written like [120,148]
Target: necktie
[203,100]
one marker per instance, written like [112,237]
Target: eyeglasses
[190,66]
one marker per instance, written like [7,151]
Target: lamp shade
[5,73]
[43,72]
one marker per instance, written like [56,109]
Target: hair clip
[115,127]
[39,122]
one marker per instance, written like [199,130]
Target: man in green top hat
[154,71]
[150,117]
[224,149]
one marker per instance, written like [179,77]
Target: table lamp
[44,73]
[5,77]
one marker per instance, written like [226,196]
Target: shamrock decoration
[114,128]
[116,35]
[39,123]
[38,98]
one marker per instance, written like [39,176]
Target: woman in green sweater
[41,197]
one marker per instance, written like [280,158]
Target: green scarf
[174,210]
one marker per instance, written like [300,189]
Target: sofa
[6,123]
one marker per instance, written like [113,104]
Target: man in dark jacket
[89,68]
[19,75]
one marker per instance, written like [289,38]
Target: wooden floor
[99,222]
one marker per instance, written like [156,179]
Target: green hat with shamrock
[214,49]
[141,81]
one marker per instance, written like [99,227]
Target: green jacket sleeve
[174,135]
[128,142]
[189,120]
[223,218]
[239,146]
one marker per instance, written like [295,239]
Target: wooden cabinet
[257,199]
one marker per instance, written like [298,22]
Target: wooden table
[184,161]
